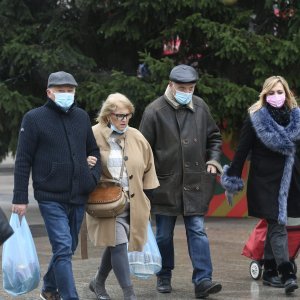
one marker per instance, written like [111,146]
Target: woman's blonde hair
[111,104]
[267,86]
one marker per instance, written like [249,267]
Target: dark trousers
[276,244]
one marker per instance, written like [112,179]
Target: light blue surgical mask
[64,100]
[183,98]
[114,128]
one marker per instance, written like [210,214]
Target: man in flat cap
[54,143]
[186,144]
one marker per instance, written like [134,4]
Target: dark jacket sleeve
[214,140]
[246,142]
[93,150]
[27,143]
[147,126]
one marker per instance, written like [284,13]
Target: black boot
[164,285]
[288,277]
[207,287]
[270,274]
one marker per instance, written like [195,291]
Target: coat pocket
[166,193]
[58,179]
[198,191]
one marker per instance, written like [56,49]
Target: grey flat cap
[183,74]
[61,78]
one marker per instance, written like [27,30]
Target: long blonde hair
[111,104]
[267,86]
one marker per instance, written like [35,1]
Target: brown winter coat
[141,176]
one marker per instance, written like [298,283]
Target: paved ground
[227,238]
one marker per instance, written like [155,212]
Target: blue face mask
[183,98]
[64,100]
[114,128]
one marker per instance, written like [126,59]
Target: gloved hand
[229,197]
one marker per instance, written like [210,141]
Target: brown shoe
[50,295]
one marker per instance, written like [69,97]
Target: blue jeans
[63,223]
[198,246]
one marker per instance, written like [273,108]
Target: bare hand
[211,169]
[91,160]
[19,209]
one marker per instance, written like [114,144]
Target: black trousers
[276,243]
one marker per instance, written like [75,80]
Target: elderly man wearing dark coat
[54,142]
[186,143]
[271,133]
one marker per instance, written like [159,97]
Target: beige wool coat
[140,167]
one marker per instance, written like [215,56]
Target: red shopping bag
[254,247]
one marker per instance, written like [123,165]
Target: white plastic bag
[20,264]
[148,262]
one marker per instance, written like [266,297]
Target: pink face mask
[276,100]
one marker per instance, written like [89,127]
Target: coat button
[125,158]
[185,141]
[132,195]
[195,140]
[196,163]
[197,188]
[131,176]
[187,164]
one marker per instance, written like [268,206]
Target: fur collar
[275,137]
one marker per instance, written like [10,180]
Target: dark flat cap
[183,74]
[61,78]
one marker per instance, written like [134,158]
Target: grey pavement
[227,237]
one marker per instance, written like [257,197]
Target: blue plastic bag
[20,264]
[148,262]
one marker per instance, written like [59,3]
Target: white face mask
[64,100]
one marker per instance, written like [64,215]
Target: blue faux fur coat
[273,189]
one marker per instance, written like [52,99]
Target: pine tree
[234,44]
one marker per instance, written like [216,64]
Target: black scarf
[281,115]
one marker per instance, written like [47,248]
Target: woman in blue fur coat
[271,136]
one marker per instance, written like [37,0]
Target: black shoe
[101,295]
[290,285]
[206,287]
[164,285]
[271,279]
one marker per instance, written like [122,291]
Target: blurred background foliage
[130,46]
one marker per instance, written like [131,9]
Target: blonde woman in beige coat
[113,137]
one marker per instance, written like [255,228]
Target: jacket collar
[171,100]
[274,136]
